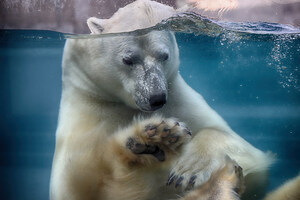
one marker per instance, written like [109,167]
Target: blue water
[252,80]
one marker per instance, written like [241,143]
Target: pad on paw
[159,138]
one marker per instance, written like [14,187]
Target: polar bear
[130,127]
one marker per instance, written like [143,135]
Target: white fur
[98,100]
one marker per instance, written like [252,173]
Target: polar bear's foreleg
[206,154]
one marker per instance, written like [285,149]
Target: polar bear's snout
[158,90]
[150,88]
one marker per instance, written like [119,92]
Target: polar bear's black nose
[157,101]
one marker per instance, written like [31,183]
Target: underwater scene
[248,72]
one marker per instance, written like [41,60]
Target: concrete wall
[61,15]
[70,16]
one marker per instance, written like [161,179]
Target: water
[248,72]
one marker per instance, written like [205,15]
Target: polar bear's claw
[191,182]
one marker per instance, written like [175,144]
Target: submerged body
[85,167]
[114,89]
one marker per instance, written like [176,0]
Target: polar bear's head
[143,67]
[134,70]
[137,15]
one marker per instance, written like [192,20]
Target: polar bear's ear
[95,25]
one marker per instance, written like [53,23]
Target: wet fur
[98,116]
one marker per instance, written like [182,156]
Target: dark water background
[251,79]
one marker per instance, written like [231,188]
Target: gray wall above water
[70,16]
[61,15]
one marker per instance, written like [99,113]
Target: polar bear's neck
[85,111]
[75,78]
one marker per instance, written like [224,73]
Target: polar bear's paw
[158,139]
[203,156]
[221,171]
[226,183]
[191,172]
